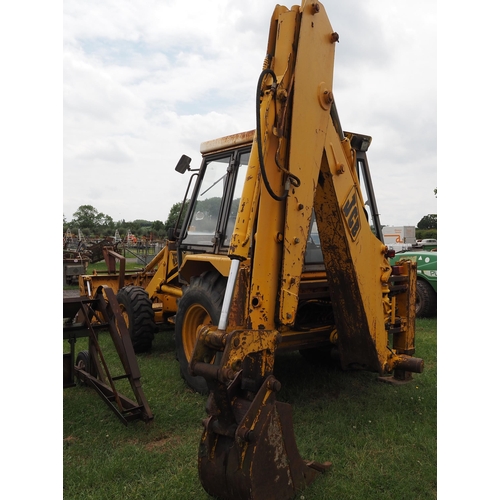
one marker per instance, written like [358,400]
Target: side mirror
[183,164]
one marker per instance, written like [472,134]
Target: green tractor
[426,305]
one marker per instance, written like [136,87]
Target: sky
[145,82]
[100,99]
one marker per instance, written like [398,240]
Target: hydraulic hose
[273,195]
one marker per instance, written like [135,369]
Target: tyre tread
[427,298]
[143,326]
[211,285]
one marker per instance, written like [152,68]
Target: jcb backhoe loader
[275,251]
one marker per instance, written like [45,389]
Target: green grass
[381,439]
[102,267]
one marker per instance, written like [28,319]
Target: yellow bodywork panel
[196,264]
[313,89]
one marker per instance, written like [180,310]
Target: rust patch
[227,142]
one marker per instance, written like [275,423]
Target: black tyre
[200,304]
[426,303]
[83,362]
[137,310]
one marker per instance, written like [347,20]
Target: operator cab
[217,185]
[209,221]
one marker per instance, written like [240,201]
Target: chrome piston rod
[228,296]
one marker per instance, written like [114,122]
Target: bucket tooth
[261,460]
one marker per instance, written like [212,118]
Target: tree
[142,223]
[108,223]
[235,205]
[87,217]
[209,207]
[174,214]
[428,222]
[134,227]
[157,225]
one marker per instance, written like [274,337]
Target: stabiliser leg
[249,451]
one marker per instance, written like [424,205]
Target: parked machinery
[275,251]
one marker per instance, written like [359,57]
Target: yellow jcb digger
[280,248]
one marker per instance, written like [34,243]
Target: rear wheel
[426,303]
[200,304]
[137,310]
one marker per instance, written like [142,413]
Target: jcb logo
[351,213]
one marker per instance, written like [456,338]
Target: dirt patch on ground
[164,442]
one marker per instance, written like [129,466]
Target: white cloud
[145,82]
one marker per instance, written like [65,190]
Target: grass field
[381,439]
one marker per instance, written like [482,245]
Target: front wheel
[200,304]
[137,311]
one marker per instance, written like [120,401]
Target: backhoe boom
[301,166]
